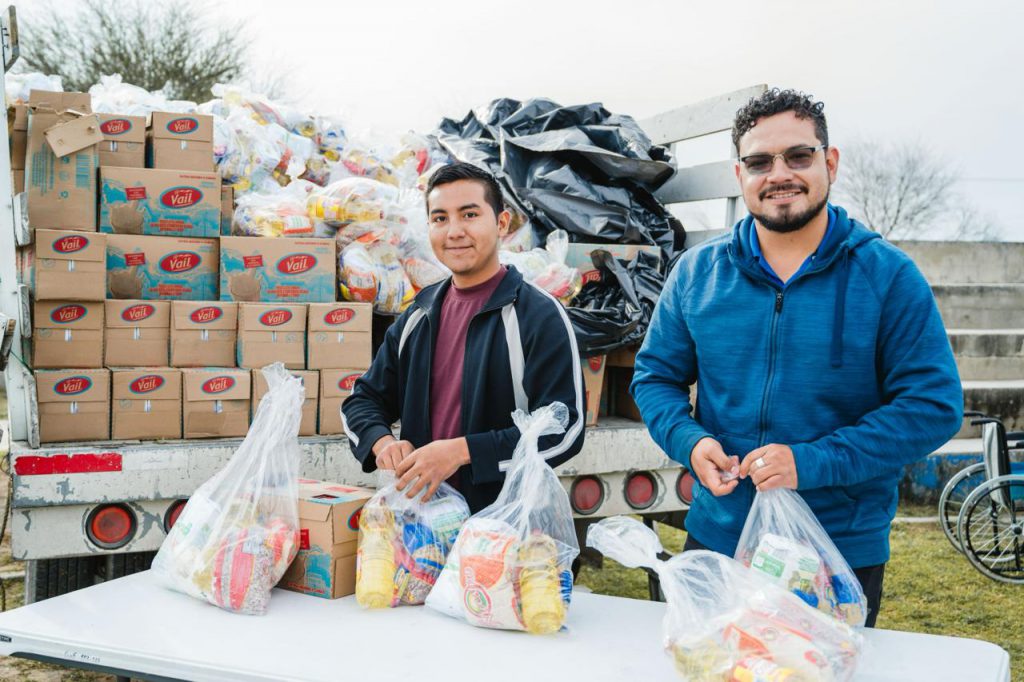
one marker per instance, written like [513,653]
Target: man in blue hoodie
[820,358]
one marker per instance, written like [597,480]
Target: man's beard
[791,222]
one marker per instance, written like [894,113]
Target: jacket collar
[431,298]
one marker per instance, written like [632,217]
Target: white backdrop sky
[947,72]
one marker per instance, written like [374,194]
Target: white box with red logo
[215,402]
[145,403]
[136,333]
[165,268]
[273,270]
[67,265]
[159,202]
[67,334]
[124,141]
[340,335]
[335,386]
[203,333]
[180,141]
[271,332]
[74,404]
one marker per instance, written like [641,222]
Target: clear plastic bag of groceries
[511,567]
[403,543]
[240,529]
[783,540]
[727,622]
[279,212]
[546,267]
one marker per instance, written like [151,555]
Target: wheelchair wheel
[991,529]
[952,499]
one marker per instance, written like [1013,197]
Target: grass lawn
[929,587]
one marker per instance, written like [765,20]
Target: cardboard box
[180,141]
[167,268]
[70,266]
[203,334]
[310,382]
[335,386]
[620,401]
[328,539]
[18,115]
[339,335]
[593,382]
[215,402]
[159,202]
[136,333]
[272,270]
[578,256]
[61,185]
[623,357]
[146,403]
[18,181]
[124,141]
[227,209]
[269,333]
[67,334]
[74,404]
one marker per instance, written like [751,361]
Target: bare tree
[153,45]
[903,191]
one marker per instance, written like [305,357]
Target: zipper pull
[778,301]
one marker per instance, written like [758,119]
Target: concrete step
[1001,399]
[980,306]
[983,354]
[967,262]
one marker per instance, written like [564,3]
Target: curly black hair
[467,171]
[777,101]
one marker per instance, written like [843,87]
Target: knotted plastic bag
[783,540]
[727,622]
[403,543]
[239,531]
[511,567]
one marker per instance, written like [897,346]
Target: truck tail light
[586,494]
[641,490]
[110,526]
[173,512]
[684,487]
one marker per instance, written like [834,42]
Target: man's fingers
[720,459]
[417,486]
[403,465]
[750,458]
[406,448]
[430,491]
[719,489]
[771,482]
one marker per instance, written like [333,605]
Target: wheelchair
[981,509]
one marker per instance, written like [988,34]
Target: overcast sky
[947,73]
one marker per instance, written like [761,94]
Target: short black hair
[777,101]
[467,171]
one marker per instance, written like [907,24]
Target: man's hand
[428,467]
[769,467]
[709,462]
[389,452]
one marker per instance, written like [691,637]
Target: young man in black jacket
[466,354]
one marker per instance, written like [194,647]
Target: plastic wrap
[546,267]
[726,622]
[18,85]
[239,531]
[783,540]
[280,212]
[511,565]
[113,96]
[403,543]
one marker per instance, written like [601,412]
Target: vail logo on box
[296,263]
[303,538]
[70,244]
[146,384]
[180,261]
[218,384]
[138,312]
[116,126]
[181,197]
[206,314]
[275,318]
[592,276]
[68,313]
[595,363]
[73,385]
[339,316]
[347,382]
[180,126]
[353,521]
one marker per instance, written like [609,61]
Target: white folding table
[134,627]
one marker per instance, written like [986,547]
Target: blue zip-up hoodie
[848,364]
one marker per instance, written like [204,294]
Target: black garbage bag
[577,168]
[615,310]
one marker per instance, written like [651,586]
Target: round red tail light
[586,494]
[684,487]
[641,490]
[111,526]
[173,512]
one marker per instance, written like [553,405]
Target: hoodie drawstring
[839,314]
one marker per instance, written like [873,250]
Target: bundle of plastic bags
[240,530]
[403,543]
[276,212]
[511,567]
[113,96]
[784,541]
[726,622]
[18,86]
[546,267]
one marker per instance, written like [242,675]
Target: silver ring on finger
[762,462]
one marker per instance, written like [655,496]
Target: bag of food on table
[511,566]
[728,622]
[239,531]
[404,542]
[783,540]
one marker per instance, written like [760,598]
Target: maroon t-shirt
[459,307]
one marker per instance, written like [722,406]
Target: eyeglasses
[797,158]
